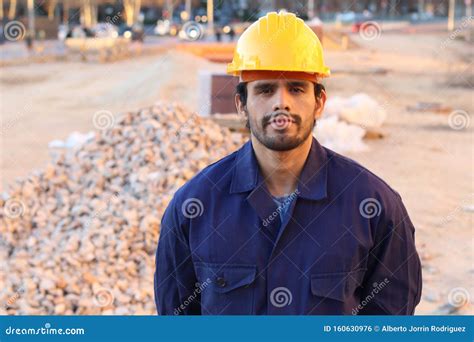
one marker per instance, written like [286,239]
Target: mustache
[268,118]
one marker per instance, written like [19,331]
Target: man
[284,225]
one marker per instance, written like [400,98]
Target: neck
[281,169]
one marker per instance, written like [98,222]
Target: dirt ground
[429,163]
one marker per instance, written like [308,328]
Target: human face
[281,113]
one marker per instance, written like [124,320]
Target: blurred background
[107,107]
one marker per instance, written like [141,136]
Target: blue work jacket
[347,246]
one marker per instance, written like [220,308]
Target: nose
[281,100]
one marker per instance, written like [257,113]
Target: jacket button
[221,282]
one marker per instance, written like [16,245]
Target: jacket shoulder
[215,176]
[365,181]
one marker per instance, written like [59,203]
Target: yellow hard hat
[279,42]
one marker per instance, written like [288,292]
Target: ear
[240,106]
[319,108]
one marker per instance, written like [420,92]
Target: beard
[284,138]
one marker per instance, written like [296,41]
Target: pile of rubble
[347,121]
[80,236]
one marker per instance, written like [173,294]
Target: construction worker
[284,225]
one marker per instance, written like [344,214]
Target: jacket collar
[312,184]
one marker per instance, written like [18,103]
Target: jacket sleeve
[393,283]
[175,279]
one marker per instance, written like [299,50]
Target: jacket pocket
[229,288]
[337,286]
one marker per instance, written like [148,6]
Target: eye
[266,90]
[296,90]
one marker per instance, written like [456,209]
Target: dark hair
[241,90]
